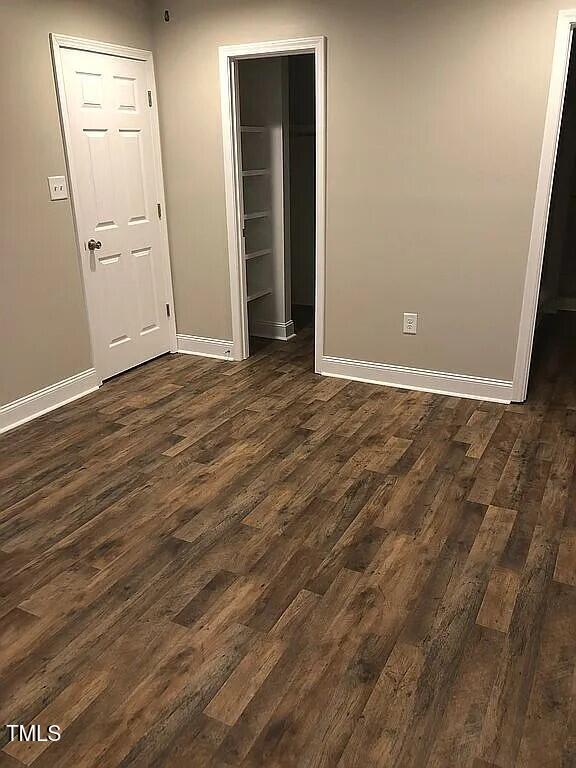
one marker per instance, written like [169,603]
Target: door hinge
[168,310]
[149,98]
[159,210]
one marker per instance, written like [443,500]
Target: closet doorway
[273,114]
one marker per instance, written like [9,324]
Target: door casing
[59,42]
[229,56]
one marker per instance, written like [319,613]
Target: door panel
[111,150]
[101,193]
[146,290]
[125,93]
[133,161]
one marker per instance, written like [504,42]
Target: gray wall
[435,119]
[43,324]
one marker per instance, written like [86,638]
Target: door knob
[94,245]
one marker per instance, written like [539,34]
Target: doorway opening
[555,312]
[277,147]
[273,115]
[549,301]
[556,317]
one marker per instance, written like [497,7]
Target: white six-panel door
[111,155]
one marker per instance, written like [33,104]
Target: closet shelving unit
[256,215]
[258,294]
[256,246]
[256,254]
[256,172]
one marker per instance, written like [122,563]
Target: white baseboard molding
[199,345]
[456,384]
[48,399]
[268,329]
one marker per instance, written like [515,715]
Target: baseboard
[48,399]
[459,385]
[199,345]
[268,329]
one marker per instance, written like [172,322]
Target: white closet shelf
[257,172]
[258,294]
[256,215]
[255,254]
[253,128]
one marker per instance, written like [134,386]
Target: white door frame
[564,32]
[58,43]
[229,56]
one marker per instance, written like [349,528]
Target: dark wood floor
[213,564]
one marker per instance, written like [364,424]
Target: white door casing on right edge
[111,147]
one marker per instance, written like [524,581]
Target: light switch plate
[58,187]
[410,323]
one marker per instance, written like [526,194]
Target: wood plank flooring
[246,565]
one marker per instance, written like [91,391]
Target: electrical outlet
[410,323]
[58,188]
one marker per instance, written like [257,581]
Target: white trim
[59,42]
[48,399]
[205,347]
[228,57]
[161,198]
[439,382]
[270,329]
[97,46]
[561,60]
